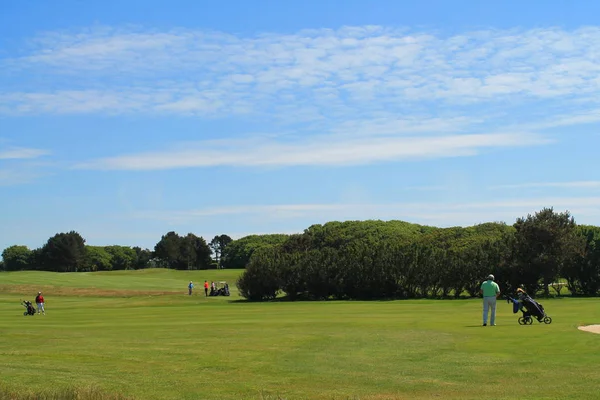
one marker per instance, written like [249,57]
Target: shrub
[260,280]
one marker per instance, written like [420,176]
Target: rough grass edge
[91,393]
[63,393]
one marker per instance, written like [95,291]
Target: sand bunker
[590,328]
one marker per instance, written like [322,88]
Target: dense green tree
[260,281]
[195,252]
[583,275]
[168,249]
[375,259]
[292,274]
[143,257]
[16,258]
[237,253]
[122,257]
[64,252]
[319,272]
[545,243]
[359,259]
[188,252]
[35,259]
[218,245]
[98,259]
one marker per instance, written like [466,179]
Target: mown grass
[175,346]
[152,281]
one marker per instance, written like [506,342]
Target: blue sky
[126,120]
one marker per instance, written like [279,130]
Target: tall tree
[188,252]
[583,276]
[168,249]
[545,242]
[64,252]
[203,260]
[143,257]
[195,252]
[218,245]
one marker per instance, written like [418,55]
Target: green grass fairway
[117,283]
[138,333]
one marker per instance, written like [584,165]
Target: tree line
[398,260]
[358,259]
[68,252]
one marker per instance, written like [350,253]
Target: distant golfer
[490,291]
[190,288]
[206,288]
[39,300]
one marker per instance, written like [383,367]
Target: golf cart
[222,289]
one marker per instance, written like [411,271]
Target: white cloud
[435,213]
[316,150]
[19,165]
[20,153]
[579,116]
[350,94]
[186,71]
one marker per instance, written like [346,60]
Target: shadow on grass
[303,299]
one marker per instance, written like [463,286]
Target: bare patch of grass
[30,290]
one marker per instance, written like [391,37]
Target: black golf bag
[533,308]
[530,309]
[30,310]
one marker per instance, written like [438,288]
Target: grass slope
[113,283]
[189,347]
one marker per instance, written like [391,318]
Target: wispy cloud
[19,165]
[437,213]
[341,71]
[21,153]
[566,185]
[314,151]
[353,95]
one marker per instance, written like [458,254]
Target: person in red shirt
[205,288]
[39,300]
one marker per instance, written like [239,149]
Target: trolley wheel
[25,313]
[522,321]
[547,320]
[529,320]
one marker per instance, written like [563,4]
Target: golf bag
[30,310]
[529,308]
